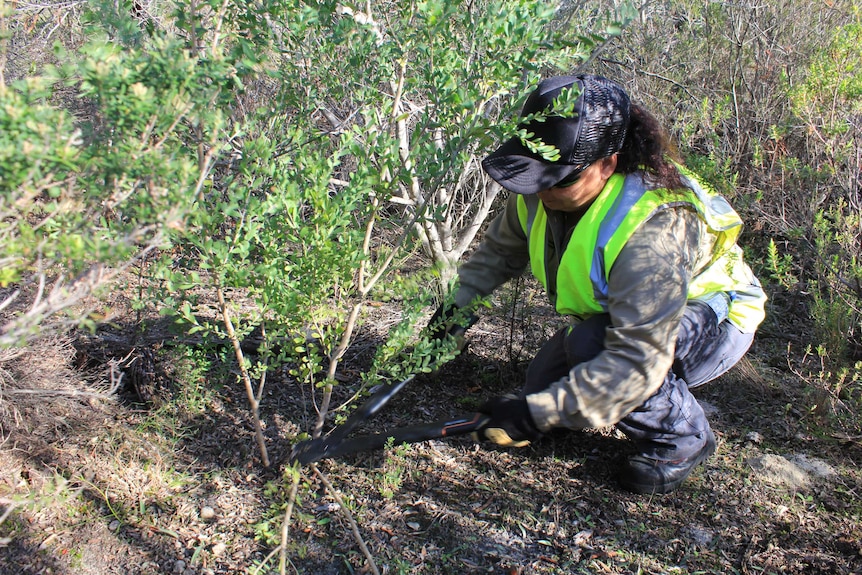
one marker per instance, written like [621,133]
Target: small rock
[327,508]
[753,437]
[207,513]
[219,549]
[582,538]
[179,566]
[779,470]
[708,409]
[114,525]
[816,467]
[699,536]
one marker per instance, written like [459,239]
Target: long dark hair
[647,148]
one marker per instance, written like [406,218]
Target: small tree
[357,135]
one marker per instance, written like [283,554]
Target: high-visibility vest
[622,206]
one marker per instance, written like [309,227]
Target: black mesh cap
[596,129]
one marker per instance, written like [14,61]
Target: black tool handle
[371,406]
[324,448]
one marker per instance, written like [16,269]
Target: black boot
[644,475]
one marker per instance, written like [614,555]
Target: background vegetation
[279,171]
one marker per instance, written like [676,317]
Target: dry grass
[40,387]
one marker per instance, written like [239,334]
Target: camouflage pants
[671,424]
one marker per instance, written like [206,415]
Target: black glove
[511,424]
[449,319]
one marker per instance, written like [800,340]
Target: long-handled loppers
[337,443]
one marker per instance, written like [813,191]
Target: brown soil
[142,482]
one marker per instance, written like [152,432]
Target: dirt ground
[158,479]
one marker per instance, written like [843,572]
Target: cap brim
[518,170]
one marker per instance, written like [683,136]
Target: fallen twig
[355,528]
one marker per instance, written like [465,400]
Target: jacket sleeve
[647,288]
[502,255]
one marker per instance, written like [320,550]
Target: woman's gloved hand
[511,424]
[449,319]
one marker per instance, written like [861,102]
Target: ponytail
[647,148]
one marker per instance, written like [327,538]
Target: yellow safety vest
[622,206]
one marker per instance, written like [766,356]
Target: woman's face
[579,195]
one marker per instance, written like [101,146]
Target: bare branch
[353,527]
[245,376]
[333,368]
